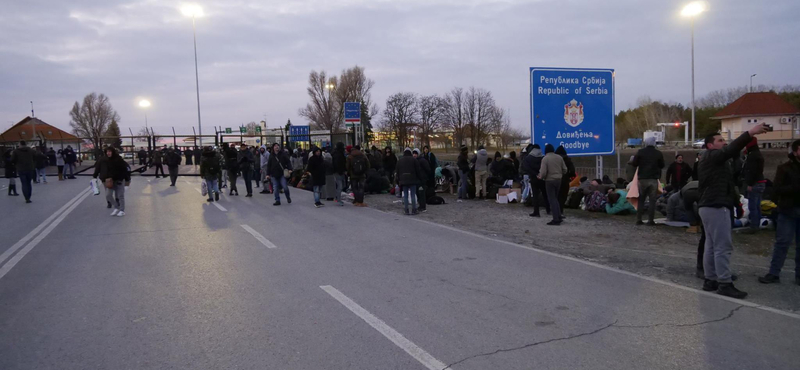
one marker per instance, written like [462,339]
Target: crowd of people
[29,165]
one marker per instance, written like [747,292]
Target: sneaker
[114,212]
[321,204]
[216,196]
[459,200]
[120,214]
[535,214]
[769,279]
[554,223]
[728,290]
[248,195]
[710,285]
[276,203]
[209,200]
[288,200]
[317,205]
[27,200]
[424,210]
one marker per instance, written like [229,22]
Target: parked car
[698,144]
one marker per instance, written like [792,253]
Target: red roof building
[760,107]
[50,135]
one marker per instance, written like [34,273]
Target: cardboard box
[503,191]
[502,199]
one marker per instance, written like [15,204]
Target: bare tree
[354,86]
[323,109]
[92,118]
[481,115]
[431,112]
[454,113]
[400,115]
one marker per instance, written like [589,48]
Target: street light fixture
[692,10]
[144,104]
[195,11]
[751,81]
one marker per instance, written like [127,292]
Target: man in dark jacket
[716,202]
[23,159]
[173,161]
[408,176]
[463,172]
[753,178]
[197,155]
[316,168]
[277,163]
[210,171]
[51,157]
[246,161]
[649,161]
[389,164]
[339,161]
[532,165]
[189,155]
[142,155]
[157,158]
[41,166]
[563,191]
[357,166]
[232,164]
[70,158]
[787,197]
[117,171]
[678,173]
[377,159]
[426,174]
[101,172]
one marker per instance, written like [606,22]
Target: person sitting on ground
[676,211]
[618,203]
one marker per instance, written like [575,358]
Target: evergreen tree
[113,131]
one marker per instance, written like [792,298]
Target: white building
[760,107]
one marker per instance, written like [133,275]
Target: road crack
[481,291]
[728,316]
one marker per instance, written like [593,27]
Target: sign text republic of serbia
[573,108]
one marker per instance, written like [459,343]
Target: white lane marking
[259,237]
[41,226]
[14,260]
[398,339]
[608,268]
[216,204]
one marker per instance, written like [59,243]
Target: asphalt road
[179,283]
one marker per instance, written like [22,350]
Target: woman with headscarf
[564,190]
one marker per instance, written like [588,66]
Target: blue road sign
[299,133]
[352,112]
[573,107]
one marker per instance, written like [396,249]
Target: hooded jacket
[101,167]
[10,168]
[481,160]
[23,158]
[408,170]
[425,171]
[316,167]
[210,168]
[340,160]
[532,162]
[389,161]
[463,162]
[264,157]
[246,159]
[567,161]
[40,159]
[753,170]
[277,163]
[118,168]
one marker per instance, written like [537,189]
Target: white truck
[656,134]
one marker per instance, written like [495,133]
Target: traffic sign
[299,133]
[242,129]
[352,113]
[258,129]
[228,130]
[573,107]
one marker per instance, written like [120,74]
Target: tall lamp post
[751,81]
[195,11]
[692,10]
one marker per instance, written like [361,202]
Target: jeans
[462,185]
[788,227]
[339,187]
[40,174]
[552,187]
[647,188]
[247,175]
[277,184]
[480,183]
[173,174]
[537,187]
[526,188]
[116,195]
[358,190]
[719,246]
[158,167]
[410,191]
[213,187]
[754,204]
[317,193]
[70,168]
[25,177]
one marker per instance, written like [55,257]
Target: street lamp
[144,104]
[751,81]
[692,10]
[195,11]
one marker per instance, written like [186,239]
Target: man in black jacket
[23,159]
[649,162]
[277,163]
[678,173]
[463,172]
[117,172]
[339,171]
[390,164]
[408,175]
[532,165]
[753,177]
[246,160]
[142,155]
[717,192]
[173,161]
[787,197]
[425,178]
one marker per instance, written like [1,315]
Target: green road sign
[258,129]
[242,129]
[228,130]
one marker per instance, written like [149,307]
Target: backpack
[435,200]
[360,165]
[596,202]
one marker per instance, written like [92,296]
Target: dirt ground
[663,252]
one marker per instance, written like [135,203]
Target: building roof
[757,104]
[23,130]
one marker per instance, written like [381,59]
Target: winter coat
[118,168]
[425,171]
[389,162]
[650,161]
[59,159]
[173,159]
[24,159]
[676,170]
[263,158]
[481,160]
[328,163]
[210,168]
[787,185]
[297,162]
[376,161]
[432,161]
[553,167]
[340,160]
[353,154]
[567,161]
[231,160]
[717,186]
[51,157]
[753,170]
[463,163]
[142,154]
[10,168]
[245,159]
[277,163]
[408,170]
[621,206]
[506,169]
[675,208]
[41,160]
[101,168]
[316,167]
[157,156]
[532,163]
[69,156]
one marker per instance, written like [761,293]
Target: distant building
[760,107]
[46,134]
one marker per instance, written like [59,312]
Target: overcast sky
[255,56]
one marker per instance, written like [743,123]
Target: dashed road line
[259,237]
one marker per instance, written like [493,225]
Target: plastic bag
[204,188]
[95,185]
